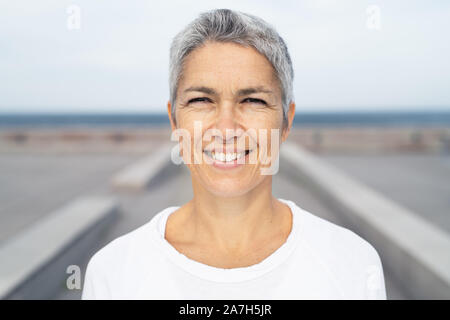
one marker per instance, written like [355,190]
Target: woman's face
[229,101]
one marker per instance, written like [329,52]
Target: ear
[290,119]
[169,111]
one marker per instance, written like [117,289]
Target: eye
[254,100]
[200,99]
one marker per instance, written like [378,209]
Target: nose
[226,121]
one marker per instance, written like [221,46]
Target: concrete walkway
[33,185]
[417,181]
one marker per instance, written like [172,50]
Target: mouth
[227,160]
[226,157]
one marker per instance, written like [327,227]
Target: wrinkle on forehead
[215,64]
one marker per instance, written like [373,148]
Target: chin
[228,187]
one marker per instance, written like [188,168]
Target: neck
[232,224]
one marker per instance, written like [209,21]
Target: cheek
[191,142]
[185,119]
[268,121]
[269,130]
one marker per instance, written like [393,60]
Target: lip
[228,165]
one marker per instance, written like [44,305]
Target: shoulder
[106,268]
[111,255]
[328,236]
[103,269]
[350,260]
[118,249]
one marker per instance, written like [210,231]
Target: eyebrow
[241,92]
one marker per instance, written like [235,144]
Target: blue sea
[302,119]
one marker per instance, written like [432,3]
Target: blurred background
[85,138]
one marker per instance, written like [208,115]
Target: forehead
[227,64]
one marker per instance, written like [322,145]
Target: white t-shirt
[319,260]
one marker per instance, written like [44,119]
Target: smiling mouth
[226,157]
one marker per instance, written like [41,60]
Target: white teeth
[225,157]
[219,156]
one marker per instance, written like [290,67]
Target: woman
[231,72]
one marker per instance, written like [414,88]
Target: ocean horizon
[134,119]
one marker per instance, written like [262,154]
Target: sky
[348,55]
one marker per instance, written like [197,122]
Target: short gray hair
[224,25]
